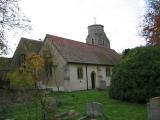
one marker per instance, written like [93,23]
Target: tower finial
[94,18]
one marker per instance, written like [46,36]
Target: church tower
[97,36]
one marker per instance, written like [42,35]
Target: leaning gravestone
[154,109]
[94,109]
[102,84]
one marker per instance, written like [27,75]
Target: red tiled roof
[78,52]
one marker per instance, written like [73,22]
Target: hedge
[137,76]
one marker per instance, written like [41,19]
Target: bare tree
[11,18]
[151,23]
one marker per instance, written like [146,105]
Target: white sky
[70,19]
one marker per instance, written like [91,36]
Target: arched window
[108,71]
[48,68]
[80,73]
[21,60]
[92,41]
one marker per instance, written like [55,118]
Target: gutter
[86,75]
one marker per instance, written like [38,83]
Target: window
[80,72]
[48,68]
[108,71]
[22,58]
[93,41]
[66,72]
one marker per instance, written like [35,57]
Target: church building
[75,65]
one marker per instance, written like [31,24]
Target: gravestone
[94,109]
[2,117]
[52,104]
[154,109]
[2,111]
[102,84]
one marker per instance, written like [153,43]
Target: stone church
[76,65]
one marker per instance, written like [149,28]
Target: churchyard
[72,106]
[39,67]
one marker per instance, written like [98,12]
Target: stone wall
[74,83]
[97,36]
[57,77]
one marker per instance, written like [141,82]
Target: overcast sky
[70,19]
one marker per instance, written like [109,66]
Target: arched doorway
[93,80]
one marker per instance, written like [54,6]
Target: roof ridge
[79,42]
[65,38]
[29,39]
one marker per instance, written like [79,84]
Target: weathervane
[94,18]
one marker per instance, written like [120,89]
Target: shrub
[137,77]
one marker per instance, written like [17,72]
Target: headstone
[1,110]
[84,118]
[102,84]
[94,109]
[2,117]
[71,112]
[64,114]
[154,109]
[52,104]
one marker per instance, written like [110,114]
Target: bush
[137,77]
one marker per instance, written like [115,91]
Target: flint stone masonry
[97,36]
[154,109]
[94,109]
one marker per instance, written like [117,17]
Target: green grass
[114,109]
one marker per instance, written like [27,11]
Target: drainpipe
[86,76]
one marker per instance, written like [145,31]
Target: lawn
[114,109]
